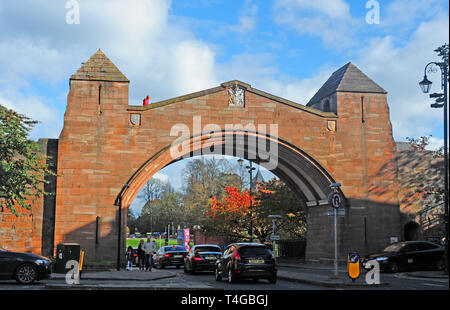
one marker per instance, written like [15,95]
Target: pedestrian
[146,100]
[149,248]
[141,255]
[129,258]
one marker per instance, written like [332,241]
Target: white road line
[432,284]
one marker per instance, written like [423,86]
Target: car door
[223,260]
[409,258]
[427,255]
[7,264]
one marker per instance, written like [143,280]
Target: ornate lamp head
[425,84]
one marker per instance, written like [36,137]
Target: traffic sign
[353,268]
[335,199]
[274,237]
[339,212]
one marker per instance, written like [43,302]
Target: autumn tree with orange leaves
[231,215]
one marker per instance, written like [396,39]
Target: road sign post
[273,236]
[335,200]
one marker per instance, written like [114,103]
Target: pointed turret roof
[348,78]
[99,68]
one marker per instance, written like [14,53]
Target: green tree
[205,178]
[22,166]
[443,53]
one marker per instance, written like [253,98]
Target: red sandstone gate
[342,135]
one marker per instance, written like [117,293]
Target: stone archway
[105,140]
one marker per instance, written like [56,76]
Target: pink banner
[187,238]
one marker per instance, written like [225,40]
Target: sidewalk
[122,275]
[322,275]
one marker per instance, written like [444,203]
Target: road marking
[432,284]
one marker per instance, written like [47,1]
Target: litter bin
[64,253]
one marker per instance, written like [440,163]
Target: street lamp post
[441,101]
[250,170]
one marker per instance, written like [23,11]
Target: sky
[288,48]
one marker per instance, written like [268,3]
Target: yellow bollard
[353,268]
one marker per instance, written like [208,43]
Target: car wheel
[231,277]
[393,267]
[191,269]
[273,279]
[217,275]
[26,274]
[185,268]
[440,264]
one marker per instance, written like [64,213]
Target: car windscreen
[207,249]
[254,250]
[174,248]
[394,247]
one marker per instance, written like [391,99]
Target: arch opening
[305,176]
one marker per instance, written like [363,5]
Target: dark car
[246,261]
[169,256]
[408,255]
[202,257]
[23,267]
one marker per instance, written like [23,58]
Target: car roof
[242,244]
[205,245]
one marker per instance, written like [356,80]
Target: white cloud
[329,20]
[161,176]
[399,69]
[35,108]
[160,58]
[247,18]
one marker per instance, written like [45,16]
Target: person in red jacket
[146,100]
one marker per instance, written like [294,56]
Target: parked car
[169,256]
[408,255]
[202,257]
[246,260]
[23,267]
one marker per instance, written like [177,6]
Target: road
[206,281]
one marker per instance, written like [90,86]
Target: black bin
[64,253]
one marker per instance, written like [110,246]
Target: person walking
[149,248]
[129,258]
[141,255]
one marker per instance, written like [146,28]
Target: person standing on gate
[146,100]
[149,247]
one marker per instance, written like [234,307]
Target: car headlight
[381,259]
[42,261]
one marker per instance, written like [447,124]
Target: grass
[134,242]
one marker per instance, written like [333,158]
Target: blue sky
[285,47]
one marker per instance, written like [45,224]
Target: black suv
[246,261]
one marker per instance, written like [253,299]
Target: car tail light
[198,258]
[236,256]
